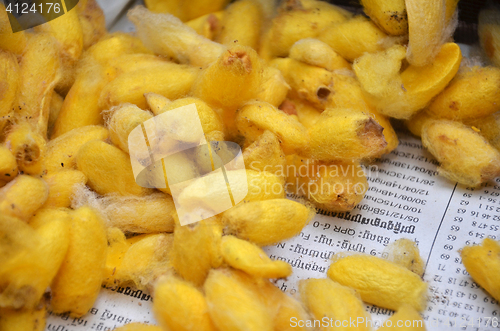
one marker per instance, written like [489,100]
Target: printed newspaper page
[406,199]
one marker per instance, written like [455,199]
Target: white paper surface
[406,199]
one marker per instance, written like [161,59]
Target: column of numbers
[472,216]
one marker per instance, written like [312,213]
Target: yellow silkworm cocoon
[483,264]
[405,253]
[232,79]
[347,93]
[56,103]
[267,222]
[80,107]
[262,185]
[344,134]
[471,94]
[327,8]
[10,41]
[266,45]
[489,34]
[18,242]
[179,167]
[336,186]
[172,7]
[117,247]
[39,75]
[274,87]
[205,193]
[166,35]
[61,151]
[268,10]
[242,24]
[317,53]
[265,154]
[67,76]
[311,83]
[156,102]
[378,73]
[22,289]
[307,114]
[451,10]
[114,45]
[169,79]
[380,282]
[208,26]
[284,308]
[8,166]
[288,106]
[417,122]
[401,95]
[210,120]
[138,327]
[243,255]
[16,236]
[199,8]
[300,20]
[177,301]
[61,185]
[426,24]
[133,62]
[277,303]
[464,155]
[23,196]
[150,214]
[92,21]
[28,146]
[183,168]
[233,306]
[291,310]
[186,11]
[196,249]
[326,298]
[79,279]
[108,169]
[23,319]
[390,15]
[489,127]
[10,81]
[215,136]
[353,38]
[122,120]
[53,226]
[256,117]
[145,260]
[406,318]
[390,136]
[68,32]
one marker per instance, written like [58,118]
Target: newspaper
[406,199]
